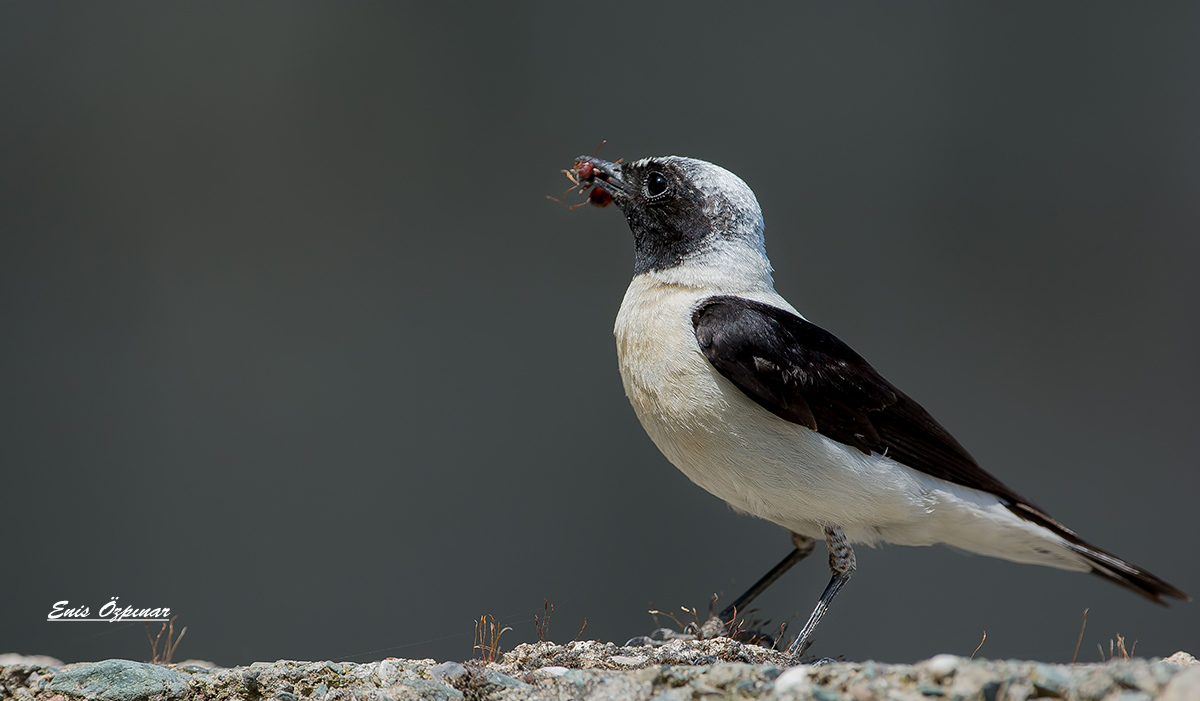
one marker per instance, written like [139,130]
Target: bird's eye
[656,184]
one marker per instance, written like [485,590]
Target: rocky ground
[679,669]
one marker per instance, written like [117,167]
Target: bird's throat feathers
[727,267]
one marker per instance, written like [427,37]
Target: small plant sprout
[583,628]
[1117,648]
[487,639]
[742,626]
[1079,641]
[981,642]
[655,613]
[168,650]
[542,624]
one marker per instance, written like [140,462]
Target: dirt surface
[680,669]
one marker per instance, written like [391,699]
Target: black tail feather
[1127,575]
[1103,563]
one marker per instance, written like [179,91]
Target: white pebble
[794,679]
[943,665]
[626,660]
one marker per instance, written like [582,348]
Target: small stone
[1180,658]
[1019,688]
[724,674]
[576,677]
[334,667]
[120,680]
[554,671]
[423,690]
[196,665]
[1163,673]
[1184,687]
[448,672]
[821,693]
[1134,676]
[11,658]
[989,690]
[1050,681]
[868,669]
[794,679]
[500,679]
[626,660]
[942,666]
[746,687]
[250,681]
[387,671]
[1095,685]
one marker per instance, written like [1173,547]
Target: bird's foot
[660,636]
[714,627]
[730,623]
[809,661]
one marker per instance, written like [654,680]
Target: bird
[780,418]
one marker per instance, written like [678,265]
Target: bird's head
[689,218]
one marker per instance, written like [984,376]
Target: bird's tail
[1103,563]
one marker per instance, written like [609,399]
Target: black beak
[604,178]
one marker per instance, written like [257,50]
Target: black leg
[804,548]
[805,639]
[842,562]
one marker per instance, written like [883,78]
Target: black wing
[804,374]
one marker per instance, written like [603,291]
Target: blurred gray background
[292,342]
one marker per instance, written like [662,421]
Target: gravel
[681,669]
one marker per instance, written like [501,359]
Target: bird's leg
[842,563]
[725,623]
[722,623]
[803,548]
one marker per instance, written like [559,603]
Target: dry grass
[981,642]
[487,638]
[169,649]
[542,625]
[689,628]
[747,628]
[1117,647]
[1079,641]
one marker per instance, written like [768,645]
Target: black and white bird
[780,418]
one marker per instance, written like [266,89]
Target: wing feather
[804,374]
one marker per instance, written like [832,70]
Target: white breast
[729,445]
[780,471]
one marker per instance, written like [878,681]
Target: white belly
[732,447]
[780,471]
